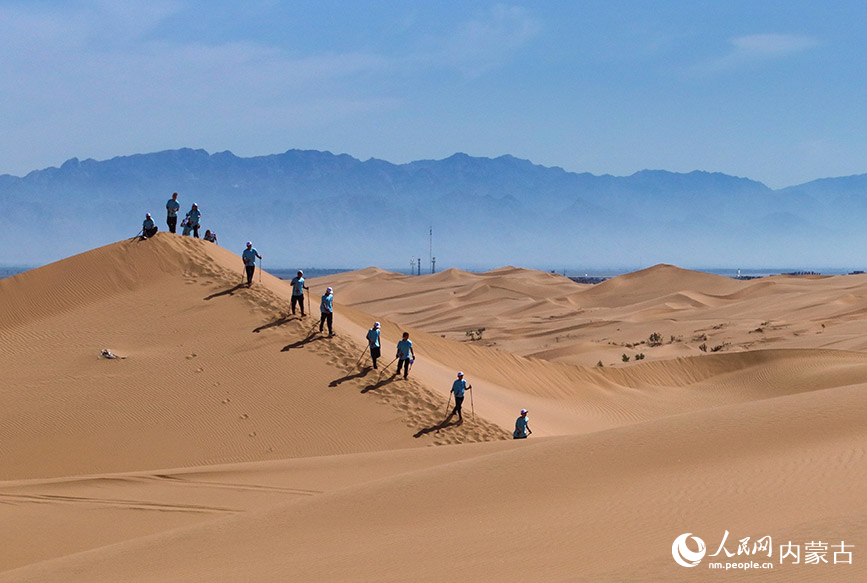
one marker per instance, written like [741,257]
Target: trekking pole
[138,234]
[448,404]
[472,405]
[386,366]
[363,352]
[260,270]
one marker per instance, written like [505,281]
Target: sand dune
[232,442]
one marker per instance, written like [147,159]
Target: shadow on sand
[227,292]
[381,382]
[349,377]
[279,322]
[441,425]
[311,336]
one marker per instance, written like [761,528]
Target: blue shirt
[458,387]
[327,303]
[172,207]
[373,336]
[521,427]
[297,286]
[404,349]
[194,215]
[147,224]
[249,256]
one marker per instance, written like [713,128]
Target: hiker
[522,426]
[148,228]
[195,217]
[405,355]
[249,256]
[326,306]
[188,228]
[298,292]
[209,236]
[458,388]
[172,208]
[373,342]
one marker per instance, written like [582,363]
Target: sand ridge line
[418,406]
[6,498]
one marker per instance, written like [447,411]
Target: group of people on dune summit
[405,355]
[190,224]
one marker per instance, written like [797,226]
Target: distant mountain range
[311,208]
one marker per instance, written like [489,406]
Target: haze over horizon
[743,89]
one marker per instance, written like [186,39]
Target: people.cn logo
[685,557]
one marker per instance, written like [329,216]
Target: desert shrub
[655,339]
[625,357]
[702,347]
[475,334]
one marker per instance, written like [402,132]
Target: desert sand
[230,441]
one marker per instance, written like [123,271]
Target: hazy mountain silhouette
[315,208]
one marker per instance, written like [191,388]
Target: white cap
[460,374]
[523,411]
[328,290]
[300,272]
[148,215]
[376,324]
[249,244]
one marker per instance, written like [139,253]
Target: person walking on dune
[326,307]
[458,388]
[195,219]
[148,228]
[373,343]
[172,208]
[249,256]
[522,426]
[298,292]
[405,355]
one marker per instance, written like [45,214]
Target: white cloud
[761,48]
[770,46]
[487,41]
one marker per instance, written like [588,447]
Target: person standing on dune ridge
[373,342]
[405,355]
[249,256]
[172,208]
[458,388]
[326,307]
[298,292]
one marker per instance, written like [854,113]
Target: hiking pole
[386,366]
[140,231]
[363,352]
[448,404]
[472,405]
[260,270]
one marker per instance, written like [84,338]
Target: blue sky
[773,91]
